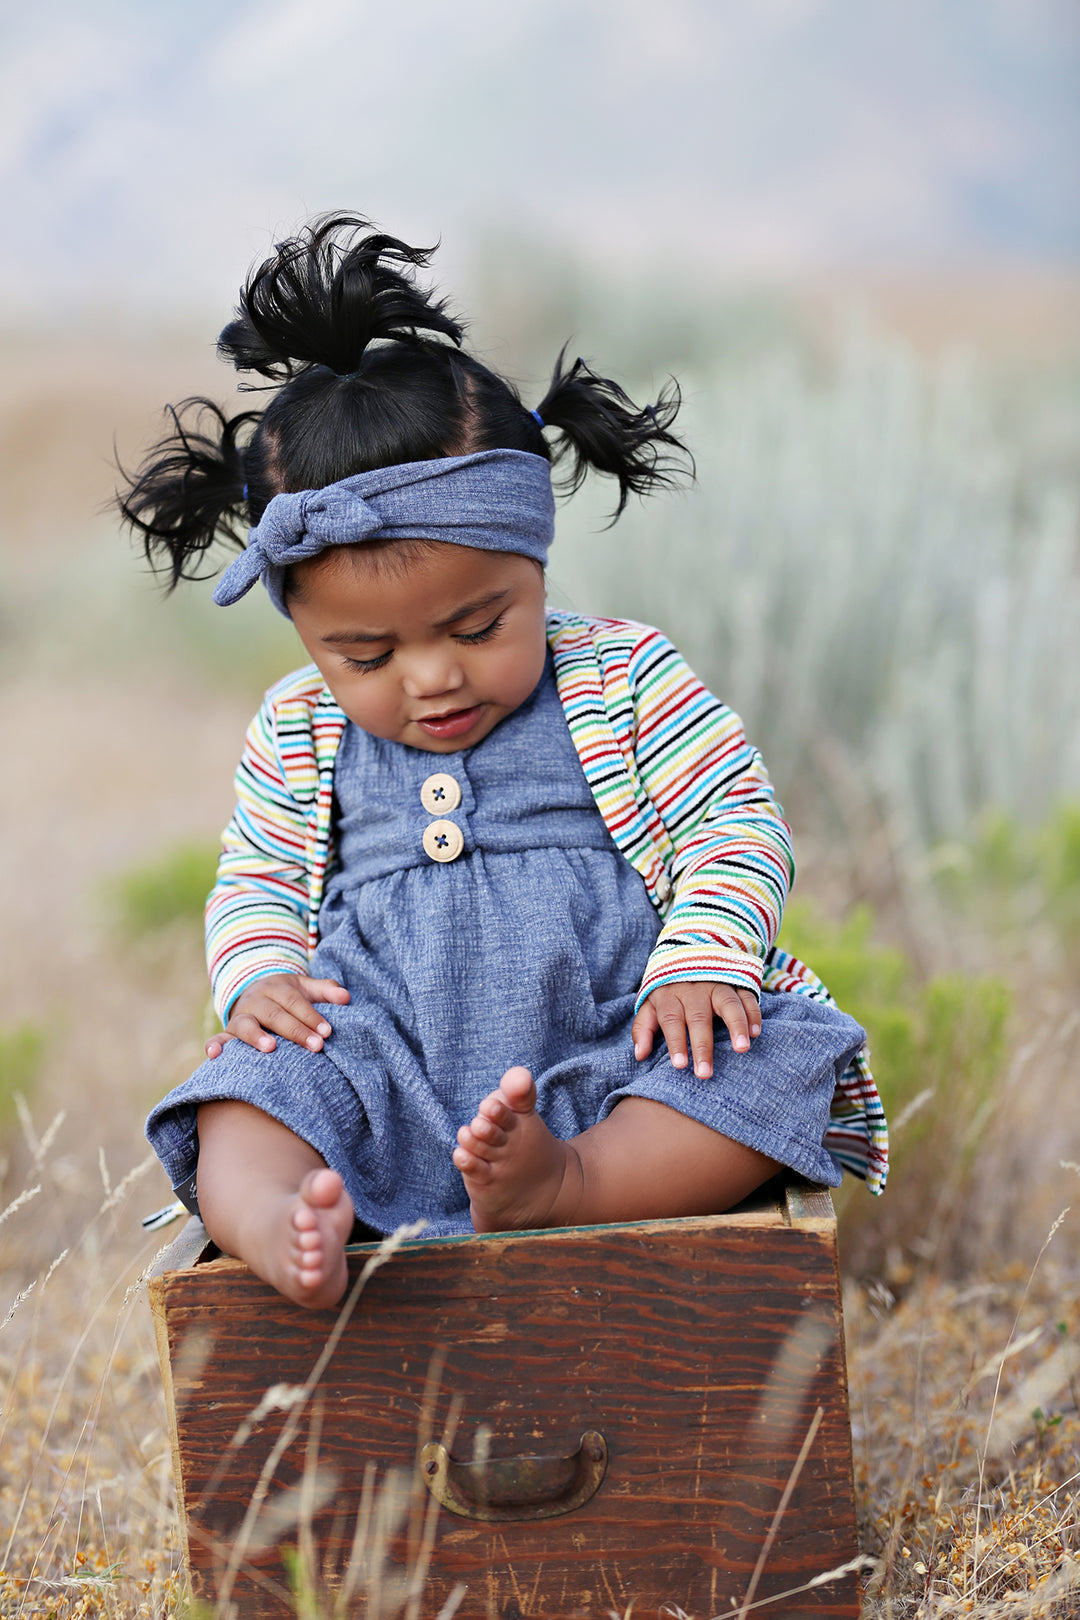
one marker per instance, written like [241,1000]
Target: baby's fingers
[282,1009]
[686,1009]
[323,990]
[673,1020]
[752,1009]
[699,1022]
[247,1028]
[729,1005]
[644,1030]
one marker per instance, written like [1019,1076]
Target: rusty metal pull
[515,1487]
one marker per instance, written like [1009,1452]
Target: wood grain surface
[700,1349]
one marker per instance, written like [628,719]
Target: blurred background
[852,232]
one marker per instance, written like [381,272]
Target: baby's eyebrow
[344,638]
[475,606]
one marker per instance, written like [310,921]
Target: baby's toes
[322,1188]
[308,1250]
[304,1219]
[497,1110]
[473,1145]
[487,1130]
[518,1090]
[307,1265]
[471,1164]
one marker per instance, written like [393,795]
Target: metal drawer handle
[515,1487]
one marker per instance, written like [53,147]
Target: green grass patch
[171,889]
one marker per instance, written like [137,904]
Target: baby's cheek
[375,711]
[518,674]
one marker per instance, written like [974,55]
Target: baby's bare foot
[516,1173]
[304,1257]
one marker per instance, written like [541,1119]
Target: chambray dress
[528,947]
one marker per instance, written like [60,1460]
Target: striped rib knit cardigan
[685,797]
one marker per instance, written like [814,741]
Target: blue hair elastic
[539,418]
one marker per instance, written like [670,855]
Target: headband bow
[494,500]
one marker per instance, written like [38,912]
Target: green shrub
[949,1033]
[169,890]
[1012,876]
[1058,855]
[946,1036]
[22,1048]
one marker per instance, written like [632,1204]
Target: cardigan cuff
[234,977]
[674,964]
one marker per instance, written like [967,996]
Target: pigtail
[191,489]
[326,295]
[601,427]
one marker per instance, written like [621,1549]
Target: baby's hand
[280,1004]
[690,1005]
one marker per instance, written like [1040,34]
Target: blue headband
[495,500]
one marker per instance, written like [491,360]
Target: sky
[148,152]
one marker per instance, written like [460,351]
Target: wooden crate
[642,1394]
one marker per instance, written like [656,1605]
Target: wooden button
[439,794]
[443,840]
[663,888]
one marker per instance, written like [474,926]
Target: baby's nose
[430,676]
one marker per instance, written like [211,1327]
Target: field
[889,531]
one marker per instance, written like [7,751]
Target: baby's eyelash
[482,635]
[364,666]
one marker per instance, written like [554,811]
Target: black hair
[369,371]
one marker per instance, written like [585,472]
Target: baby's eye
[364,666]
[482,635]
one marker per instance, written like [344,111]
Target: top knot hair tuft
[326,294]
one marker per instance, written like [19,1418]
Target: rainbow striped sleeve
[257,914]
[732,863]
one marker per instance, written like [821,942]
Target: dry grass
[87,1514]
[967,1442]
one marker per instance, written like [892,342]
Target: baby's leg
[644,1161]
[267,1197]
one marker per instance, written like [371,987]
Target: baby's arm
[730,860]
[257,913]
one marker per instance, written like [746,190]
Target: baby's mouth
[451,723]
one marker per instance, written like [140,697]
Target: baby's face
[432,650]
